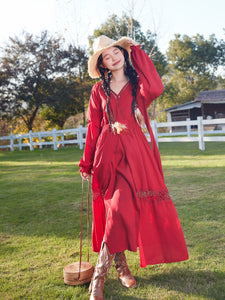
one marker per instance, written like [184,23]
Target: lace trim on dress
[154,196]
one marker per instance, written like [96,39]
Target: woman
[131,204]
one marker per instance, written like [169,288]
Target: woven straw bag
[80,272]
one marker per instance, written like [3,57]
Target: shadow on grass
[112,291]
[174,284]
[209,284]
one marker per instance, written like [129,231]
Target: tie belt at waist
[117,127]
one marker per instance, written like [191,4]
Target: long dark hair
[106,77]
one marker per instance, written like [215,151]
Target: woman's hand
[132,43]
[85,175]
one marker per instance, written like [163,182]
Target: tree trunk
[30,121]
[84,117]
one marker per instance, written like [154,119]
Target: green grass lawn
[40,197]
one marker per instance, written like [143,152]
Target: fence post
[80,137]
[11,142]
[31,141]
[54,139]
[20,144]
[169,119]
[62,140]
[201,134]
[188,127]
[40,140]
[154,129]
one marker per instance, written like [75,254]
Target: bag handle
[88,222]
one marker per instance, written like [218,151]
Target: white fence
[195,131]
[55,138]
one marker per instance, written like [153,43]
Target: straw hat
[100,44]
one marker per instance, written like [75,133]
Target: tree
[68,95]
[193,62]
[63,102]
[195,56]
[84,83]
[29,67]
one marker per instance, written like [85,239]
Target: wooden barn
[208,104]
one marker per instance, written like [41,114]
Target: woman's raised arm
[150,82]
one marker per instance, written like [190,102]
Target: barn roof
[184,106]
[216,96]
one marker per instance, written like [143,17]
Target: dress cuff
[133,47]
[84,167]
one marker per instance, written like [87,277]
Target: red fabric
[131,204]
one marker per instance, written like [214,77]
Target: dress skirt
[131,204]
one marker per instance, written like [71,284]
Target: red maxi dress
[131,204]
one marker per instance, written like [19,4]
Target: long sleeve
[93,131]
[150,82]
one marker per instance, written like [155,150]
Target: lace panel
[154,196]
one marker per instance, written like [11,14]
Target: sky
[76,19]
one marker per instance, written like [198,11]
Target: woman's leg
[102,267]
[124,274]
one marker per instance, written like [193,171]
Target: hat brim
[124,42]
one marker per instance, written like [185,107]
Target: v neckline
[121,91]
